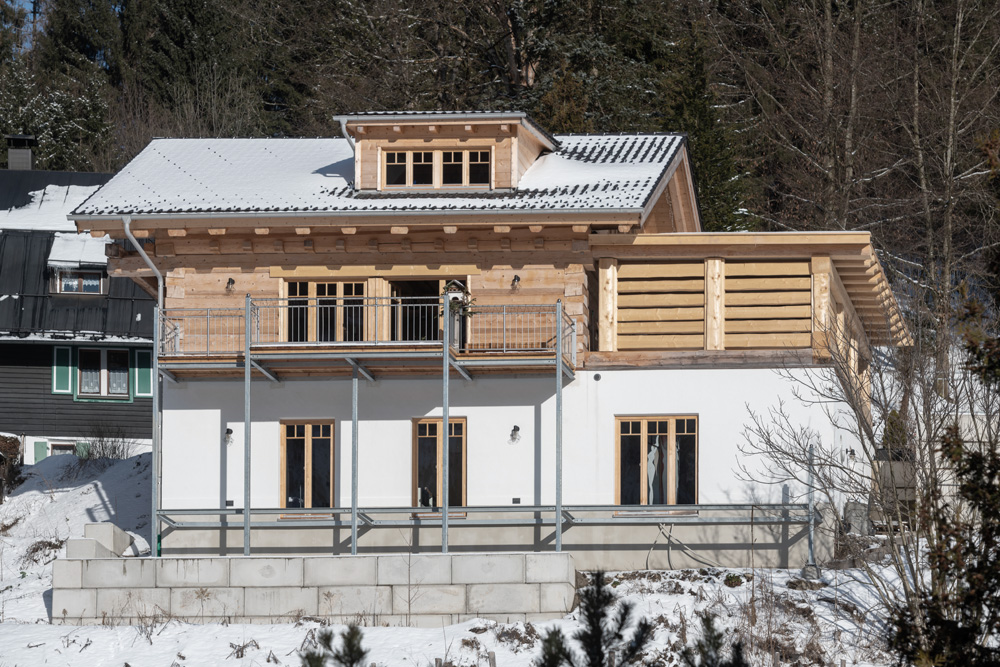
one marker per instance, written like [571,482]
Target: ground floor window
[103,372]
[656,460]
[428,450]
[307,464]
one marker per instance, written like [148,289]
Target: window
[103,373]
[80,282]
[437,169]
[325,312]
[427,463]
[307,464]
[657,461]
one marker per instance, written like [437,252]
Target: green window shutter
[62,370]
[143,373]
[41,450]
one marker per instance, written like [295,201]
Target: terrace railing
[367,321]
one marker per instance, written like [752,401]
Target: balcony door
[326,312]
[415,313]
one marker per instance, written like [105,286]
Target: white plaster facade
[200,470]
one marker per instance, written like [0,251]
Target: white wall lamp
[229,437]
[515,433]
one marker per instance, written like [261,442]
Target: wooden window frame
[414,487]
[671,456]
[80,274]
[283,499]
[437,162]
[312,310]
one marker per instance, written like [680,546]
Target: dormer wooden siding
[512,143]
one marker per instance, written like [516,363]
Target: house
[331,308]
[75,344]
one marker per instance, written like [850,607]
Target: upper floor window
[80,282]
[103,372]
[437,169]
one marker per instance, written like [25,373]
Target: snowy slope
[800,626]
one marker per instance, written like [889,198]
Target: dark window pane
[451,174]
[91,283]
[295,472]
[423,174]
[455,466]
[118,372]
[427,471]
[90,371]
[630,469]
[690,426]
[298,313]
[687,472]
[479,174]
[656,470]
[395,174]
[322,483]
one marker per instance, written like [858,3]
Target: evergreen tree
[707,651]
[12,19]
[349,654]
[81,35]
[602,633]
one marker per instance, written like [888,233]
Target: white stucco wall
[200,470]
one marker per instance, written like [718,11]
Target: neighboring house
[75,345]
[601,349]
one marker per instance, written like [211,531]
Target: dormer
[443,152]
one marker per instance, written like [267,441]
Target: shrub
[106,441]
[350,653]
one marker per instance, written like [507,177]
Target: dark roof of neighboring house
[16,186]
[27,308]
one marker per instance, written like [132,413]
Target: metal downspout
[154,543]
[247,370]
[354,461]
[446,448]
[343,130]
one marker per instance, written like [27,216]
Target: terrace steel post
[246,428]
[155,470]
[354,461]
[559,419]
[811,570]
[446,450]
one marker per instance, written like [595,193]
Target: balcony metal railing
[366,321]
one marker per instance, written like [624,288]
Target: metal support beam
[559,416]
[354,461]
[458,367]
[446,449]
[268,374]
[154,545]
[247,369]
[358,368]
[164,372]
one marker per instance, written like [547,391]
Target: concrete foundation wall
[421,590]
[607,547]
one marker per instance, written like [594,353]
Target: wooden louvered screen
[768,304]
[661,306]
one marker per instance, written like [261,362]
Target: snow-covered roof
[71,251]
[48,209]
[594,173]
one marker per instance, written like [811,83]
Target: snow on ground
[798,625]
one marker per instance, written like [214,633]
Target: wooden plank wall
[768,304]
[661,306]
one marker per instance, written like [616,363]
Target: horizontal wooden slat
[646,286]
[771,283]
[680,270]
[683,327]
[767,312]
[768,340]
[734,269]
[660,300]
[675,342]
[657,314]
[768,326]
[768,298]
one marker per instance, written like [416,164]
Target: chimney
[19,157]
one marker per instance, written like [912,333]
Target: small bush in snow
[602,633]
[350,653]
[106,442]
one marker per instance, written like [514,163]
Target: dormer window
[437,169]
[80,282]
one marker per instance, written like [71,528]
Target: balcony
[313,335]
